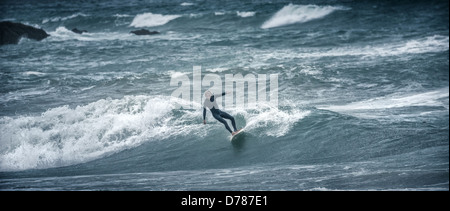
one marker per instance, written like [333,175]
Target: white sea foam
[271,121]
[217,70]
[245,14]
[64,136]
[62,33]
[292,13]
[175,74]
[150,19]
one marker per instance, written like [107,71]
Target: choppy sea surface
[363,96]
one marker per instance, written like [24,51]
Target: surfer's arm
[219,95]
[204,115]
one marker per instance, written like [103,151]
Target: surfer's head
[208,94]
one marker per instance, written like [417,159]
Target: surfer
[211,104]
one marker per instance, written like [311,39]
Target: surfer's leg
[220,119]
[227,116]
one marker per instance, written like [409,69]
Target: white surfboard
[237,134]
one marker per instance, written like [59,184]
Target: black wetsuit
[217,113]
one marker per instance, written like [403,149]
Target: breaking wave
[292,13]
[65,136]
[150,19]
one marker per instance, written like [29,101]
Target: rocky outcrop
[75,30]
[10,33]
[144,32]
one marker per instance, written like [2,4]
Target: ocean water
[363,96]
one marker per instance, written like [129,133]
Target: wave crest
[58,18]
[245,14]
[150,19]
[292,13]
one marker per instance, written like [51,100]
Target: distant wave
[121,15]
[292,13]
[24,93]
[150,19]
[430,44]
[56,19]
[219,13]
[187,4]
[245,14]
[62,34]
[377,107]
[435,43]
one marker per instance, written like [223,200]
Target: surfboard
[239,133]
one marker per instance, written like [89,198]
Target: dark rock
[144,32]
[75,30]
[10,33]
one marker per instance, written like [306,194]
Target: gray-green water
[363,96]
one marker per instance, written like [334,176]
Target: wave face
[292,13]
[363,92]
